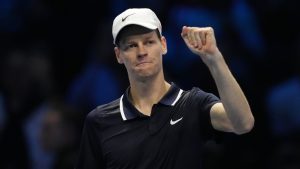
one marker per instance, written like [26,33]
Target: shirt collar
[128,111]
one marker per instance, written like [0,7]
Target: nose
[142,51]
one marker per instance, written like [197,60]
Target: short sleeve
[203,102]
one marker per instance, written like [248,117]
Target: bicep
[219,118]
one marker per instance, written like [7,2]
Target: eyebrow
[146,37]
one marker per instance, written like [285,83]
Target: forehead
[140,37]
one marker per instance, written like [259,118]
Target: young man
[155,124]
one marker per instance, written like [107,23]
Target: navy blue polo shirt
[117,136]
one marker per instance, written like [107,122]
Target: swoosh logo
[123,19]
[176,121]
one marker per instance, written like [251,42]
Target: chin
[145,75]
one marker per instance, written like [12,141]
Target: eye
[150,42]
[131,45]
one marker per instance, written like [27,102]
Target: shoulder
[199,97]
[196,92]
[105,111]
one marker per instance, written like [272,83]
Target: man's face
[142,54]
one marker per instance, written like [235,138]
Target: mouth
[142,63]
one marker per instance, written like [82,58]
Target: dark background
[57,64]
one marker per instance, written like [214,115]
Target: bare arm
[234,113]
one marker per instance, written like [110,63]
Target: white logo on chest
[176,121]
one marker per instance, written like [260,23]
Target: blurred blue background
[57,64]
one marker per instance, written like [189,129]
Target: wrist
[214,59]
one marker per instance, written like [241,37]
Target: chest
[142,141]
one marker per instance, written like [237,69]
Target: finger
[202,35]
[198,39]
[191,37]
[184,32]
[184,35]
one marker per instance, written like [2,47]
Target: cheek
[123,58]
[158,53]
[127,63]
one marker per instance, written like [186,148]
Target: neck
[146,93]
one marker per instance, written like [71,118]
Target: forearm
[233,99]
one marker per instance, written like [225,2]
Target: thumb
[210,36]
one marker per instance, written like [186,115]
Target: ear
[117,53]
[164,45]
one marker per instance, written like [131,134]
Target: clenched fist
[202,42]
